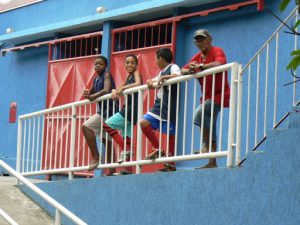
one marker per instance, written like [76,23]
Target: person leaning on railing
[158,114]
[102,84]
[118,121]
[208,57]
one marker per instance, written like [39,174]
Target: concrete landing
[20,207]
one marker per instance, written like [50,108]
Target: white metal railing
[267,99]
[59,208]
[7,217]
[51,141]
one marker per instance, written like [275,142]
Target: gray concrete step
[20,207]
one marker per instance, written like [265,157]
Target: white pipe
[72,144]
[232,111]
[7,218]
[42,194]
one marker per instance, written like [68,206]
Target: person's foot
[93,165]
[109,172]
[167,168]
[122,172]
[208,166]
[204,149]
[154,154]
[124,156]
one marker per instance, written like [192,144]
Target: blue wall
[264,191]
[24,73]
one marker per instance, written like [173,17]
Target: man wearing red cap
[208,57]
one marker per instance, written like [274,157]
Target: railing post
[239,115]
[139,130]
[72,145]
[19,146]
[57,217]
[232,110]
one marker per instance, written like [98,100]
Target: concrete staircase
[265,190]
[19,206]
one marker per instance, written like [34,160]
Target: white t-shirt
[174,70]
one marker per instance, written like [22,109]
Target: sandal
[167,168]
[155,154]
[93,165]
[122,172]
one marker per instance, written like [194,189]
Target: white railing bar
[202,115]
[84,142]
[139,143]
[24,145]
[42,194]
[72,144]
[47,140]
[194,105]
[174,80]
[148,107]
[212,111]
[51,140]
[177,115]
[239,116]
[101,135]
[257,98]
[126,123]
[232,111]
[266,90]
[28,144]
[276,79]
[61,138]
[221,154]
[221,113]
[248,108]
[67,138]
[37,143]
[131,127]
[33,142]
[78,117]
[56,139]
[269,39]
[19,146]
[160,121]
[7,218]
[184,117]
[42,141]
[168,120]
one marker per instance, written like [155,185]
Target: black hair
[103,58]
[165,53]
[134,57]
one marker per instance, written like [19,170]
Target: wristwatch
[201,65]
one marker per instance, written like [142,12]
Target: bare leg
[110,158]
[90,138]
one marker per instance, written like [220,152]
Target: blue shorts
[117,121]
[155,124]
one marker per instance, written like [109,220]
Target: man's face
[202,43]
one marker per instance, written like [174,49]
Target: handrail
[269,39]
[45,196]
[131,90]
[7,218]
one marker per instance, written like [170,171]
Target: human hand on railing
[86,94]
[120,92]
[149,83]
[114,94]
[193,66]
[160,81]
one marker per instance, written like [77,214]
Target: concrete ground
[20,207]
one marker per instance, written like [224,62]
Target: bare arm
[138,81]
[106,89]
